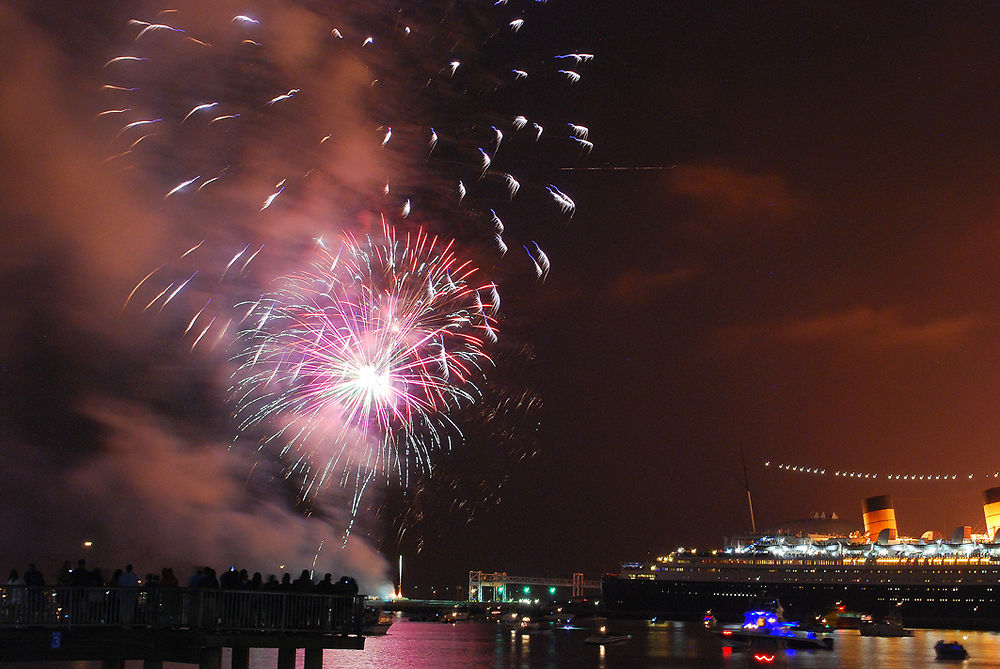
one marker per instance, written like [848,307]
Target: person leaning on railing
[35,581]
[13,597]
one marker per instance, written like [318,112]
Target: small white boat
[602,638]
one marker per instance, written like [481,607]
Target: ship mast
[746,485]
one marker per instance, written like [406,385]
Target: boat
[768,624]
[602,638]
[818,564]
[454,616]
[950,650]
[376,623]
[890,626]
[839,618]
[559,618]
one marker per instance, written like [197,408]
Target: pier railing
[180,608]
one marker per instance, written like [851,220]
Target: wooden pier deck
[112,625]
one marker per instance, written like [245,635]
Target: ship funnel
[991,507]
[879,515]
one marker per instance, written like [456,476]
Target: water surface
[474,645]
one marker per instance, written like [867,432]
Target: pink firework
[359,359]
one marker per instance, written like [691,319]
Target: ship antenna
[746,484]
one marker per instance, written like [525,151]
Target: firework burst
[358,361]
[258,128]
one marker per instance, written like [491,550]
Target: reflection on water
[469,645]
[441,646]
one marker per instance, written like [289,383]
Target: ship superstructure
[928,581]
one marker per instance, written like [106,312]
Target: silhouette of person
[326,586]
[15,596]
[64,576]
[35,582]
[80,576]
[33,578]
[128,583]
[304,582]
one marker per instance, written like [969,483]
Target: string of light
[892,476]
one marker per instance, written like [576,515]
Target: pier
[174,625]
[502,587]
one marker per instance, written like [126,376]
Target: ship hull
[934,606]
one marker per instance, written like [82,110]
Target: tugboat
[891,626]
[842,618]
[950,650]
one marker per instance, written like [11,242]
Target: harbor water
[473,645]
[479,645]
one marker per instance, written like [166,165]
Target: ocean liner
[927,582]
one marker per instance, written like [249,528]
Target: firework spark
[359,360]
[290,132]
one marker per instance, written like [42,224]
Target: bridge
[174,625]
[502,587]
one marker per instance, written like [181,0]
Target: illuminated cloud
[145,485]
[159,497]
[730,194]
[861,328]
[634,286]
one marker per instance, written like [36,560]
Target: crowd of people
[83,594]
[202,577]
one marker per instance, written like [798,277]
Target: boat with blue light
[769,624]
[950,650]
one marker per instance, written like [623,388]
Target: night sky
[803,267]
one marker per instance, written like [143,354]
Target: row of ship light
[870,475]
